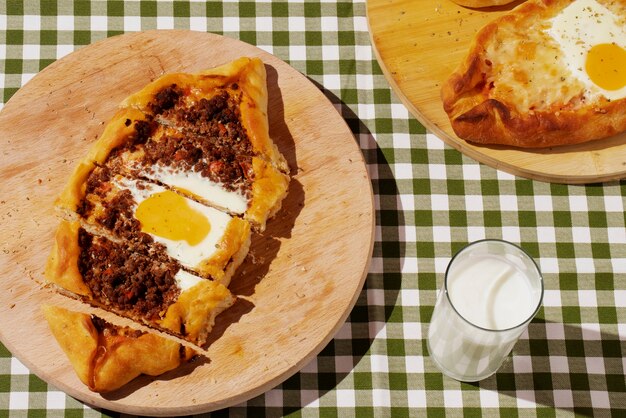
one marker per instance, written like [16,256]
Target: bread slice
[153,290]
[518,85]
[105,357]
[203,239]
[204,135]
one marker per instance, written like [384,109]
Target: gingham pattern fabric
[430,201]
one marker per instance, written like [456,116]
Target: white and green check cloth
[430,201]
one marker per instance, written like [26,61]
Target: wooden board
[419,44]
[311,262]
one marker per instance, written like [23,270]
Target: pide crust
[478,114]
[106,361]
[191,316]
[482,3]
[62,266]
[230,253]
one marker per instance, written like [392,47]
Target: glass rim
[471,244]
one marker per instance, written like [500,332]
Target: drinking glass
[491,291]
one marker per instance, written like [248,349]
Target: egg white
[213,193]
[577,28]
[188,255]
[186,280]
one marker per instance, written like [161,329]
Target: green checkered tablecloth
[430,201]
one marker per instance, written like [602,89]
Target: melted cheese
[543,66]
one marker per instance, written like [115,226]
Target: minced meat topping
[138,285]
[206,137]
[165,99]
[108,329]
[209,138]
[116,212]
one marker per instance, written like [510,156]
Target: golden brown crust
[478,116]
[190,317]
[482,3]
[196,310]
[268,191]
[230,253]
[116,133]
[77,337]
[105,362]
[62,265]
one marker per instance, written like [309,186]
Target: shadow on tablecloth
[566,366]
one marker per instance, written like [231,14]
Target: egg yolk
[168,215]
[606,66]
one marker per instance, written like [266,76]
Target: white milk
[493,290]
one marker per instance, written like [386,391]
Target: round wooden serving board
[419,44]
[295,289]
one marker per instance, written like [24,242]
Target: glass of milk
[492,290]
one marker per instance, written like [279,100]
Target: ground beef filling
[116,214]
[209,139]
[165,99]
[110,330]
[135,284]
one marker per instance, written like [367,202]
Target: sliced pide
[158,215]
[203,239]
[153,290]
[105,356]
[188,101]
[219,138]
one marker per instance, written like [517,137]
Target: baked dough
[482,3]
[514,87]
[152,290]
[104,356]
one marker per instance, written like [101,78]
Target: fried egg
[191,232]
[593,43]
[194,184]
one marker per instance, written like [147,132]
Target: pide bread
[153,290]
[158,215]
[548,73]
[105,356]
[482,3]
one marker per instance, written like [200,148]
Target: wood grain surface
[303,274]
[419,44]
